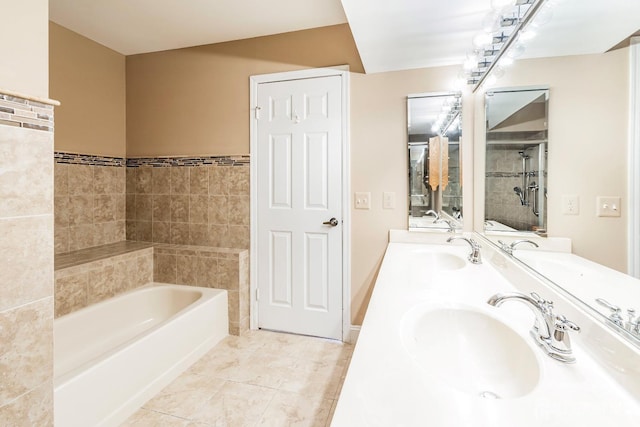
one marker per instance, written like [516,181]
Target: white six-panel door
[299,184]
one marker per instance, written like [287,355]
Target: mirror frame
[450,217]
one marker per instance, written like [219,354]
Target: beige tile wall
[219,268]
[189,205]
[89,206]
[26,279]
[91,282]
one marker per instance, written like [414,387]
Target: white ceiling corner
[141,26]
[390,35]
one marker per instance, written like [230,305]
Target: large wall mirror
[547,149]
[516,160]
[434,140]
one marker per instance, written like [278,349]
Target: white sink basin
[438,260]
[471,351]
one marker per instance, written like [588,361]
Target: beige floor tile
[294,410]
[147,418]
[262,369]
[308,348]
[185,395]
[261,378]
[220,361]
[315,379]
[235,405]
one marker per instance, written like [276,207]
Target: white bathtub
[111,357]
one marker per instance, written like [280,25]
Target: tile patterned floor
[260,379]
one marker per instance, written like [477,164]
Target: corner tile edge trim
[240,160]
[87,159]
[48,101]
[25,113]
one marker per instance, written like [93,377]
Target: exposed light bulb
[527,34]
[516,50]
[543,17]
[482,40]
[491,22]
[505,61]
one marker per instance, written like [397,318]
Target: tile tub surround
[91,275]
[89,201]
[220,268]
[189,201]
[260,379]
[26,262]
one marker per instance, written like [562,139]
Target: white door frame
[343,72]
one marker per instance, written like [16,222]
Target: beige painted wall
[196,100]
[89,80]
[379,163]
[24,64]
[588,134]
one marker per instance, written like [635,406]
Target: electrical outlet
[607,206]
[363,200]
[388,200]
[570,205]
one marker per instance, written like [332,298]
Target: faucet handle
[563,324]
[631,313]
[615,316]
[545,305]
[633,324]
[504,247]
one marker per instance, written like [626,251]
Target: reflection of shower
[525,179]
[518,191]
[527,187]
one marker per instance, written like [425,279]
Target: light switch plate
[363,200]
[388,200]
[570,205]
[607,206]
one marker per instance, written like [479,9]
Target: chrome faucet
[475,255]
[510,248]
[632,325]
[434,213]
[550,331]
[451,227]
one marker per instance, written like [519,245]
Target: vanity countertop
[385,386]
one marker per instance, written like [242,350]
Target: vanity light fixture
[449,116]
[505,30]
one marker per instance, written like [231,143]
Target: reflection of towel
[438,162]
[444,162]
[434,162]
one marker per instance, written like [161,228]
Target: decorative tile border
[85,159]
[158,162]
[25,113]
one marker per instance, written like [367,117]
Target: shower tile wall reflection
[503,176]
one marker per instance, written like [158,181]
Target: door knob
[332,222]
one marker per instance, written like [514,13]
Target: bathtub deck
[261,378]
[84,256]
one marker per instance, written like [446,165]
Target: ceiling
[390,35]
[141,26]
